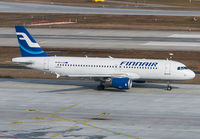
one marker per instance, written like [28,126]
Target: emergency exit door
[46,64]
[167,68]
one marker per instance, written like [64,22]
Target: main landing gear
[169,87]
[101,86]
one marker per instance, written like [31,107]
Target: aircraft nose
[190,75]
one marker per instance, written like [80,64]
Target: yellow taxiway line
[63,109]
[87,125]
[74,121]
[101,114]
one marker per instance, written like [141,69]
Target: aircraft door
[167,68]
[46,64]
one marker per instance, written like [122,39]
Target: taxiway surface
[104,39]
[14,7]
[75,109]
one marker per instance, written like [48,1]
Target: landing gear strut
[169,87]
[101,86]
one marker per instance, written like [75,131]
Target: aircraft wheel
[101,87]
[169,88]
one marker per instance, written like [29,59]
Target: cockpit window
[182,68]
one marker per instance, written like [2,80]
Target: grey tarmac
[107,39]
[32,108]
[15,7]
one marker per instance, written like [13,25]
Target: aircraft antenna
[171,56]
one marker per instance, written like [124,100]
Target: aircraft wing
[132,76]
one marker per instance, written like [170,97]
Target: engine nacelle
[122,83]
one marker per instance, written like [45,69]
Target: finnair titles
[132,63]
[119,72]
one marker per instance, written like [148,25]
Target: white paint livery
[28,41]
[107,68]
[119,72]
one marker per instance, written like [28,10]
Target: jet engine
[122,83]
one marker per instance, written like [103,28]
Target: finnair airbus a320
[119,72]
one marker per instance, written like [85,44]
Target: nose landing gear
[169,87]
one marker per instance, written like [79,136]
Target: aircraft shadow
[152,85]
[84,85]
[55,82]
[61,91]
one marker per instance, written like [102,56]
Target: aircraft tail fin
[28,46]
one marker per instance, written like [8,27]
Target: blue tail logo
[28,46]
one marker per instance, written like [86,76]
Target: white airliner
[120,72]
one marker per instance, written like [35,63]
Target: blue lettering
[127,63]
[145,63]
[123,62]
[136,63]
[140,63]
[132,63]
[149,64]
[154,64]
